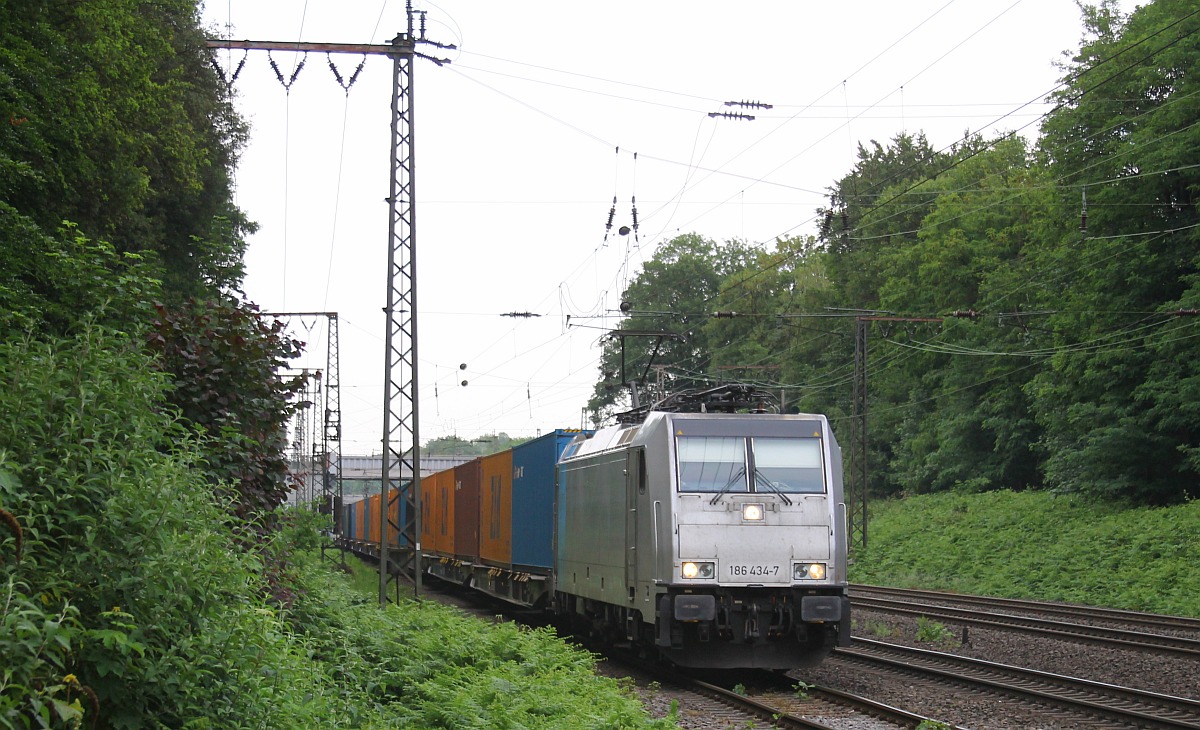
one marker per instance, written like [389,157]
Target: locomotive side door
[635,484]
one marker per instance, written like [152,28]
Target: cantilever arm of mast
[401,44]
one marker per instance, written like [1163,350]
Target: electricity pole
[400,416]
[331,414]
[859,472]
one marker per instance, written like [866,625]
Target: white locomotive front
[719,539]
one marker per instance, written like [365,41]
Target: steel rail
[781,717]
[1049,608]
[1124,704]
[1043,627]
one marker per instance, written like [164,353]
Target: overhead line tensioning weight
[400,417]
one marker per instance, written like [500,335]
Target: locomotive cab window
[791,465]
[719,464]
[712,464]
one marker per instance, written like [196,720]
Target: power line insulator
[750,104]
[732,115]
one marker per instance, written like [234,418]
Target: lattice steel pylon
[401,414]
[400,376]
[299,459]
[331,463]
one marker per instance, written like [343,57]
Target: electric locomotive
[702,529]
[717,539]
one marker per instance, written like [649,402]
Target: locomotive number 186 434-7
[738,571]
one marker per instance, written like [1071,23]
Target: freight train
[710,536]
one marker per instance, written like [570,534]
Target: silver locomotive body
[719,539]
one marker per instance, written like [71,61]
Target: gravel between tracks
[980,711]
[1155,672]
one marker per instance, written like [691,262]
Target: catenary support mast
[400,418]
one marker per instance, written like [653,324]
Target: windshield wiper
[741,472]
[760,478]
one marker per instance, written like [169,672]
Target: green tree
[1118,420]
[673,294]
[875,209]
[114,120]
[50,282]
[771,332]
[957,409]
[482,446]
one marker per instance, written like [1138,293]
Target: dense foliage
[114,120]
[1033,306]
[224,359]
[146,578]
[142,422]
[482,446]
[1038,545]
[124,602]
[118,124]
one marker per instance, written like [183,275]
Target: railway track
[1154,621]
[772,700]
[777,700]
[990,619]
[1079,697]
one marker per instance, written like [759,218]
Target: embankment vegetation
[1038,545]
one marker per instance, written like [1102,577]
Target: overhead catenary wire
[557,289]
[787,257]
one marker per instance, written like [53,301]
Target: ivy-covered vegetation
[1036,304]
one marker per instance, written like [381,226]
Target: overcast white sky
[546,112]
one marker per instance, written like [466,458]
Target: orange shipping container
[495,509]
[395,514]
[373,519]
[360,520]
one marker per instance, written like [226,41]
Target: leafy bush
[223,357]
[125,601]
[127,581]
[49,282]
[452,671]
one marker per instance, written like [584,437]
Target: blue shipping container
[534,472]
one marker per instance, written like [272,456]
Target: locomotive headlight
[808,571]
[699,570]
[752,512]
